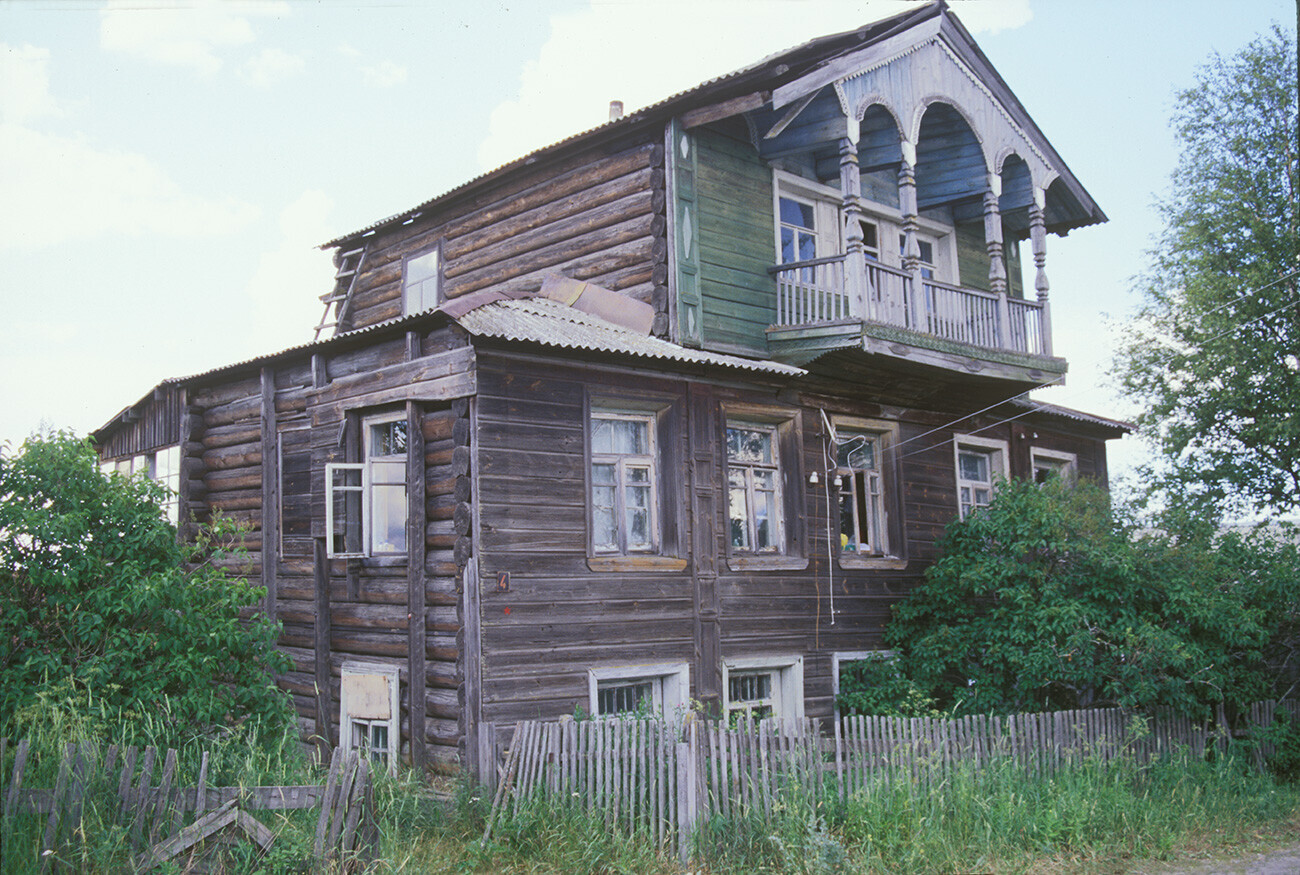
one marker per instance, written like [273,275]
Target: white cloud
[284,291]
[60,188]
[592,58]
[384,74]
[270,66]
[187,34]
[378,74]
[25,84]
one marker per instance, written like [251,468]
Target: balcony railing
[809,292]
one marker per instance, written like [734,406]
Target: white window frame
[997,452]
[787,684]
[778,545]
[366,489]
[347,720]
[620,461]
[671,686]
[879,526]
[146,464]
[370,460]
[1067,464]
[410,288]
[825,202]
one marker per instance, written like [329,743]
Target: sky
[169,169]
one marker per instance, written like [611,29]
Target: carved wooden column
[855,265]
[997,266]
[916,306]
[1038,238]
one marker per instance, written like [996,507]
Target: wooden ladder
[345,281]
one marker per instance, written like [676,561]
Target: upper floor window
[754,488]
[1048,464]
[798,230]
[858,466]
[365,502]
[980,463]
[624,477]
[926,246]
[422,282]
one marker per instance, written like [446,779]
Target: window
[661,690]
[421,282]
[926,248]
[753,488]
[759,688]
[980,462]
[369,712]
[798,230]
[858,457]
[365,506]
[162,466]
[624,500]
[1051,463]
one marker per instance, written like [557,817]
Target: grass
[1090,818]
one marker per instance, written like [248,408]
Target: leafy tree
[97,599]
[1051,599]
[1212,353]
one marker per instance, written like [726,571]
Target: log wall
[561,611]
[256,449]
[596,216]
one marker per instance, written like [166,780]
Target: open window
[1049,464]
[981,462]
[365,502]
[864,488]
[652,690]
[368,712]
[760,688]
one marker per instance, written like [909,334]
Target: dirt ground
[1278,861]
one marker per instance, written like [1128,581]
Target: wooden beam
[321,643]
[799,106]
[270,491]
[727,108]
[415,607]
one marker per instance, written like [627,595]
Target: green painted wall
[736,239]
[973,259]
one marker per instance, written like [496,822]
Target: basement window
[763,687]
[655,690]
[368,711]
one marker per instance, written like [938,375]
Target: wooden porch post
[997,267]
[1038,237]
[911,248]
[855,265]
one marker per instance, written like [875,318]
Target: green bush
[878,686]
[105,616]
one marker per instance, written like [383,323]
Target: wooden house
[672,411]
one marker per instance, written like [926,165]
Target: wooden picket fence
[125,789]
[657,779]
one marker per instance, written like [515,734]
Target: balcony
[818,310]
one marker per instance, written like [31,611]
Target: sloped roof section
[550,323]
[1070,413]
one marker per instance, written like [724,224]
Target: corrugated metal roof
[1071,413]
[538,320]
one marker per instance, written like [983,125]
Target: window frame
[671,686]
[347,721]
[408,285]
[890,526]
[826,203]
[667,412]
[650,459]
[787,428]
[146,464]
[995,449]
[366,488]
[840,657]
[1066,464]
[776,536]
[787,689]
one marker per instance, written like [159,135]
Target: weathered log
[554,188]
[223,393]
[237,478]
[230,435]
[549,213]
[634,208]
[464,550]
[237,456]
[512,266]
[243,410]
[462,518]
